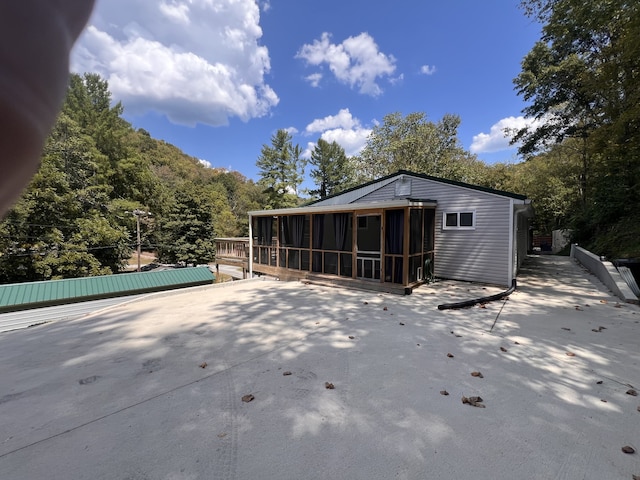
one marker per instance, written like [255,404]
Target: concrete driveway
[154,389]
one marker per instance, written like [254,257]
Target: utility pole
[137,212]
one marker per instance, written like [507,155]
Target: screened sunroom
[379,245]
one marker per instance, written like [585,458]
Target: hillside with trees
[75,218]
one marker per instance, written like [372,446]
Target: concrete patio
[153,389]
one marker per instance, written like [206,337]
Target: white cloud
[498,137]
[314,79]
[343,119]
[428,69]
[291,130]
[356,61]
[196,61]
[342,128]
[206,163]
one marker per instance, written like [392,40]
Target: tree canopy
[281,171]
[582,81]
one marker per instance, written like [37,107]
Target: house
[395,233]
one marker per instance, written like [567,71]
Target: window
[459,220]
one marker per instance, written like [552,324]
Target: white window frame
[457,226]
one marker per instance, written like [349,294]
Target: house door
[368,243]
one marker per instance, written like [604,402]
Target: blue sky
[217,78]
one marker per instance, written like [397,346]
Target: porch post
[250,246]
[354,245]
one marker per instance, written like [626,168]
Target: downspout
[250,246]
[511,276]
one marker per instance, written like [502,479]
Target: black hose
[471,303]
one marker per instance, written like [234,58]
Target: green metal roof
[21,296]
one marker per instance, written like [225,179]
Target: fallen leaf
[516,343]
[570,354]
[458,336]
[248,398]
[385,309]
[635,477]
[365,303]
[639,408]
[603,400]
[628,449]
[477,374]
[482,305]
[473,401]
[222,435]
[632,392]
[599,382]
[351,337]
[402,324]
[502,349]
[286,374]
[317,323]
[603,301]
[567,329]
[595,330]
[602,328]
[203,365]
[578,308]
[617,305]
[417,344]
[329,386]
[450,355]
[444,392]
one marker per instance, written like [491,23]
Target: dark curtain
[415,231]
[318,231]
[394,238]
[265,230]
[296,229]
[340,227]
[285,235]
[318,235]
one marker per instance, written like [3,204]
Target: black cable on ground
[471,303]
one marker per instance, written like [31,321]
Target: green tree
[281,171]
[334,172]
[581,80]
[416,144]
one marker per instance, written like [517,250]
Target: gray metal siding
[522,240]
[355,194]
[480,255]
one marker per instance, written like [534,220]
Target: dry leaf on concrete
[473,401]
[635,477]
[203,365]
[578,308]
[502,349]
[570,354]
[516,343]
[351,337]
[385,309]
[402,324]
[477,374]
[450,355]
[599,382]
[287,373]
[628,449]
[603,301]
[444,392]
[567,329]
[632,392]
[248,398]
[329,385]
